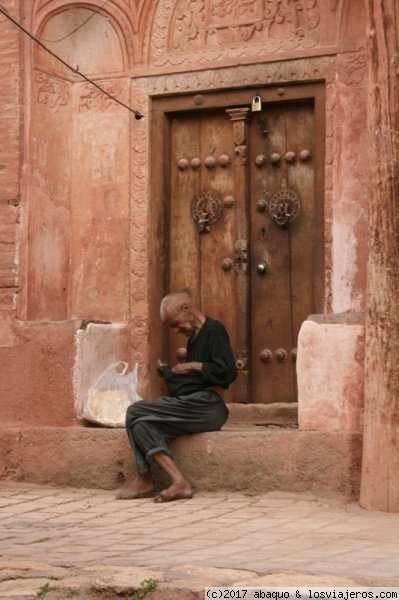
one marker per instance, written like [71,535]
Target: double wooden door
[242,226]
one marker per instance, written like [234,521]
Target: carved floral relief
[228,27]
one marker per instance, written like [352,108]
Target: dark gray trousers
[152,425]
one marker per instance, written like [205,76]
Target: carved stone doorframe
[338,72]
[161,121]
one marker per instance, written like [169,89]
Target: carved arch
[118,16]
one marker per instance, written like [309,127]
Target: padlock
[256,105]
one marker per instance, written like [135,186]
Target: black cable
[93,14]
[137,114]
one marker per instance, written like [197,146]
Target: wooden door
[242,230]
[283,246]
[201,224]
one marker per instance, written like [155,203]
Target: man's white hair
[171,303]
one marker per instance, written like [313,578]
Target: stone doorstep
[238,458]
[278,413]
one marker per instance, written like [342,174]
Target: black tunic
[212,348]
[190,407]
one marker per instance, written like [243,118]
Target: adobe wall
[75,170]
[11,110]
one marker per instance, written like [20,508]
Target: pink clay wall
[10,169]
[76,246]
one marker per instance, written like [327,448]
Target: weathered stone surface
[183,583]
[349,227]
[7,265]
[7,316]
[8,222]
[252,459]
[330,367]
[38,387]
[10,107]
[278,413]
[339,319]
[297,579]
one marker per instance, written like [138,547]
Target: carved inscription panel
[224,25]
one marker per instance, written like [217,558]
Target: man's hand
[184,368]
[160,368]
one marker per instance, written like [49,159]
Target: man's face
[181,322]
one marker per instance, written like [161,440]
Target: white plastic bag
[110,396]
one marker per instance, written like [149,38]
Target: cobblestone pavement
[79,542]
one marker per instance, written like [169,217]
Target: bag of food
[110,396]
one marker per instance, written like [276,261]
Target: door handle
[282,217]
[285,206]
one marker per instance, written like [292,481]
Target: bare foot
[177,491]
[141,487]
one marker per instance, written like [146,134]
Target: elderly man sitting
[194,404]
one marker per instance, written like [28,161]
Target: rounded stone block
[330,369]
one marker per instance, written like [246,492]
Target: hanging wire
[93,14]
[4,11]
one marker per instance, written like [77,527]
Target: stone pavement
[63,542]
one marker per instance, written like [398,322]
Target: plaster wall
[11,109]
[349,222]
[85,216]
[78,181]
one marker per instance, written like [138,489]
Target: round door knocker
[285,206]
[206,210]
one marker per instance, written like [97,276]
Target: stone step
[278,414]
[241,457]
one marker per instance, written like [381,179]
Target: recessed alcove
[78,179]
